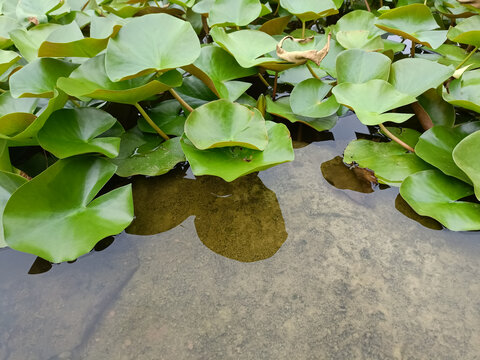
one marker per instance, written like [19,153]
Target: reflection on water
[402,206]
[240,220]
[342,177]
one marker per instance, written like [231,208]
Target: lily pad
[46,218]
[233,12]
[359,39]
[7,24]
[415,76]
[296,75]
[151,43]
[309,99]
[437,144]
[7,59]
[466,156]
[232,162]
[89,80]
[39,78]
[414,22]
[222,123]
[167,117]
[307,10]
[432,193]
[69,132]
[147,154]
[449,54]
[359,66]
[372,99]
[390,161]
[281,107]
[438,110]
[28,9]
[465,92]
[466,32]
[9,184]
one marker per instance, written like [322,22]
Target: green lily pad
[465,92]
[296,75]
[307,10]
[439,111]
[69,132]
[232,162]
[5,164]
[27,9]
[437,144]
[466,157]
[432,193]
[309,99]
[390,161]
[215,67]
[147,154]
[359,66]
[358,20]
[9,184]
[7,24]
[89,80]
[359,39]
[39,78]
[414,22]
[233,12]
[248,47]
[46,218]
[168,118]
[151,43]
[7,59]
[281,107]
[195,92]
[466,32]
[370,101]
[222,123]
[415,76]
[448,54]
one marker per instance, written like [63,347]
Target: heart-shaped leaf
[70,132]
[222,123]
[466,157]
[466,32]
[308,99]
[233,12]
[7,59]
[167,115]
[359,66]
[414,22]
[307,10]
[232,162]
[465,92]
[89,80]
[9,183]
[39,78]
[370,100]
[147,154]
[437,144]
[55,215]
[151,43]
[390,161]
[432,193]
[406,74]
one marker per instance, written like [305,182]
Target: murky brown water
[279,265]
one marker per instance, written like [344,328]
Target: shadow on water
[240,220]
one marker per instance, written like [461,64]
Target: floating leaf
[307,10]
[7,24]
[466,32]
[359,66]
[39,78]
[309,99]
[232,162]
[390,161]
[414,22]
[70,132]
[406,74]
[370,100]
[147,154]
[167,117]
[281,107]
[233,12]
[275,26]
[8,184]
[448,54]
[358,20]
[89,80]
[432,193]
[46,218]
[222,123]
[438,111]
[7,59]
[465,92]
[28,9]
[466,156]
[155,42]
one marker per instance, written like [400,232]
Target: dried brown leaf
[301,57]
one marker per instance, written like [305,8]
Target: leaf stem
[74,102]
[467,58]
[396,139]
[368,6]
[412,49]
[150,121]
[275,82]
[263,80]
[303,29]
[85,5]
[180,100]
[312,72]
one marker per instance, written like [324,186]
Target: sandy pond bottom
[277,266]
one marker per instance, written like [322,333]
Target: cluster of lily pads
[191,70]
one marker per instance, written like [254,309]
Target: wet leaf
[45,217]
[466,156]
[309,99]
[224,124]
[432,193]
[359,66]
[232,162]
[69,132]
[465,92]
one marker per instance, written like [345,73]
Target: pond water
[279,265]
